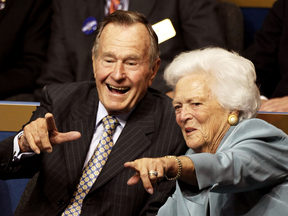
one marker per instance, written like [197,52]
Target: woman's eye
[177,107]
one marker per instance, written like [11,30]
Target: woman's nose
[185,113]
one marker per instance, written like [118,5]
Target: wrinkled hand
[42,134]
[142,167]
[275,105]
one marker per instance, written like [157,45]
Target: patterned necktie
[113,6]
[94,166]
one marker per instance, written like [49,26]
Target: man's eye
[131,63]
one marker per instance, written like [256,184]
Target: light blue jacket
[246,176]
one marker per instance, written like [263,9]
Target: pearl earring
[232,119]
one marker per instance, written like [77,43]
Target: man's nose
[118,72]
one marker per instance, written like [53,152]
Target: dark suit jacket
[269,52]
[24,34]
[69,55]
[150,131]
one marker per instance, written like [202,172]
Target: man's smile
[118,90]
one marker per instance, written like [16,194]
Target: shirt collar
[102,112]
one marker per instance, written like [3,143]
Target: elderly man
[74,28]
[80,164]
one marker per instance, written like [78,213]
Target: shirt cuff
[16,149]
[16,143]
[262,97]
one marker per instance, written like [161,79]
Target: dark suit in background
[269,52]
[24,34]
[150,131]
[69,55]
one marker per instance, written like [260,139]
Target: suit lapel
[132,142]
[146,7]
[82,120]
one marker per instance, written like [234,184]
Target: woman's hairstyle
[231,76]
[128,18]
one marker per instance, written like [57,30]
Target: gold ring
[153,173]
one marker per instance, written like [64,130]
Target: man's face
[121,69]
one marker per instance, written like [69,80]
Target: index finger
[51,126]
[130,165]
[142,174]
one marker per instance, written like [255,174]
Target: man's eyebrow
[132,57]
[107,54]
[128,57]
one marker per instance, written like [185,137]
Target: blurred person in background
[269,55]
[75,22]
[24,35]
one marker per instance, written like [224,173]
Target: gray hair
[128,18]
[232,78]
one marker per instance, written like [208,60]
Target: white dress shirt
[101,113]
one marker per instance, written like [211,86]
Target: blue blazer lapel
[132,142]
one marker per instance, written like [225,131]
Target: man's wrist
[22,149]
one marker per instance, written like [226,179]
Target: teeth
[118,88]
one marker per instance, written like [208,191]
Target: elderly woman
[236,164]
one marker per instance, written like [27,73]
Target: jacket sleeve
[27,167]
[255,155]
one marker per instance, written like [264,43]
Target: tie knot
[110,123]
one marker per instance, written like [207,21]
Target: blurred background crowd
[43,42]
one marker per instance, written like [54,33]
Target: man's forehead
[127,37]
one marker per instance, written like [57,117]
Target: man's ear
[93,63]
[154,70]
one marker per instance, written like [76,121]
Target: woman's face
[202,120]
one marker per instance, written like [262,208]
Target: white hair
[232,78]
